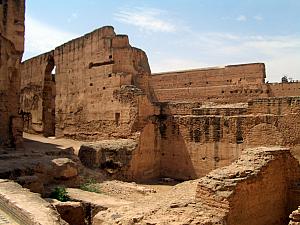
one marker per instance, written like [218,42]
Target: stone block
[64,168]
[109,155]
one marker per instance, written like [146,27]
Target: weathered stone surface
[109,155]
[64,168]
[71,212]
[11,51]
[40,164]
[33,183]
[29,208]
[257,183]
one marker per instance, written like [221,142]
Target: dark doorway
[49,99]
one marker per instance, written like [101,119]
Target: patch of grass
[90,185]
[60,194]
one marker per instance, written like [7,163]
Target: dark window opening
[103,88]
[197,135]
[110,56]
[91,65]
[109,75]
[117,119]
[91,84]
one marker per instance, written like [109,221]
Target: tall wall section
[230,84]
[38,94]
[99,91]
[198,138]
[11,51]
[91,87]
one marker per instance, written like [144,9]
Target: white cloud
[241,18]
[281,54]
[258,18]
[40,37]
[148,19]
[175,63]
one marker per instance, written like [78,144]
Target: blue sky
[179,34]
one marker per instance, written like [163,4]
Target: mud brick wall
[87,93]
[38,94]
[11,51]
[253,189]
[193,145]
[210,84]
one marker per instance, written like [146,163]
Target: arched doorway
[49,99]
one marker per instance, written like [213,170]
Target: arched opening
[49,99]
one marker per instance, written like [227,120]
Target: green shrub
[90,185]
[60,194]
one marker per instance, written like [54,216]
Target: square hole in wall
[117,118]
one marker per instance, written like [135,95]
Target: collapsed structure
[184,123]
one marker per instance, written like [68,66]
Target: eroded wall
[38,94]
[195,141]
[95,87]
[230,84]
[186,123]
[11,51]
[253,189]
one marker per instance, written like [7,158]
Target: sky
[179,34]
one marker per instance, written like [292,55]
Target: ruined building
[204,124]
[177,124]
[11,51]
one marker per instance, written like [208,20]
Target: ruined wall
[11,50]
[216,84]
[252,190]
[195,141]
[228,75]
[38,94]
[101,91]
[89,74]
[94,88]
[231,84]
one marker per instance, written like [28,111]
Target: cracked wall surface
[11,51]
